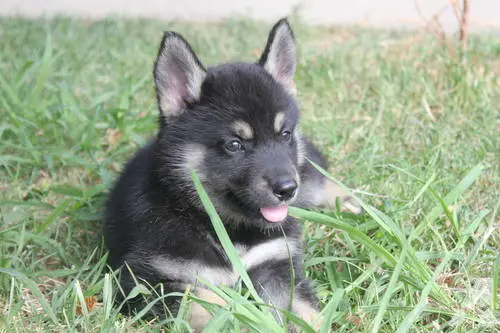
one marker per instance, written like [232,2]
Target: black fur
[153,209]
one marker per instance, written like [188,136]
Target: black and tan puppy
[236,125]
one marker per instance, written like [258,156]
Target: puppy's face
[235,125]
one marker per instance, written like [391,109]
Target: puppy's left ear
[279,57]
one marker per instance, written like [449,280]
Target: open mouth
[275,214]
[272,214]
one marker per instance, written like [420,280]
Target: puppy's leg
[331,193]
[318,191]
[272,280]
[308,313]
[199,315]
[135,273]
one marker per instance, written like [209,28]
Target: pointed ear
[178,75]
[279,56]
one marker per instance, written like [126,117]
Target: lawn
[409,122]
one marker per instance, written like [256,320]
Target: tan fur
[243,130]
[293,89]
[308,313]
[200,316]
[279,119]
[332,191]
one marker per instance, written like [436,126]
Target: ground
[409,122]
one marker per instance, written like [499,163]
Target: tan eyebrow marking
[243,129]
[278,121]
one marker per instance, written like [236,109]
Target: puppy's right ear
[178,75]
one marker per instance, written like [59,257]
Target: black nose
[284,189]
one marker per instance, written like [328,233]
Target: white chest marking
[188,270]
[276,250]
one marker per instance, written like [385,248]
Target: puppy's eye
[286,135]
[234,146]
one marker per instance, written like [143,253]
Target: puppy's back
[126,202]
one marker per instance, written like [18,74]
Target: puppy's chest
[255,248]
[265,252]
[277,249]
[221,272]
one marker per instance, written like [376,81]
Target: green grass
[408,121]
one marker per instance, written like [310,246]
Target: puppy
[236,125]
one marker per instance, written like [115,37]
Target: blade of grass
[242,308]
[351,230]
[451,197]
[11,298]
[390,289]
[144,311]
[410,319]
[56,213]
[221,232]
[107,296]
[9,91]
[77,289]
[321,260]
[422,190]
[330,309]
[496,285]
[43,71]
[471,228]
[447,212]
[475,251]
[361,278]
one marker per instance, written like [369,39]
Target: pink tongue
[274,214]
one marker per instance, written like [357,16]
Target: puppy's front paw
[308,313]
[333,194]
[200,316]
[349,204]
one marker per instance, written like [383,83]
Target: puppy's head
[235,125]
